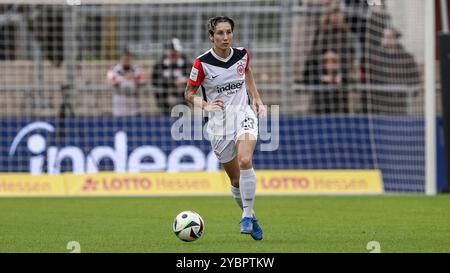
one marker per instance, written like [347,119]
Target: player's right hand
[215,106]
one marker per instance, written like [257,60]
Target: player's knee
[245,162]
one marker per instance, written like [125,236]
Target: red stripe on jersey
[248,60]
[197,74]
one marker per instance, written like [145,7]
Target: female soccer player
[222,73]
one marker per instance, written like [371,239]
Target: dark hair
[212,23]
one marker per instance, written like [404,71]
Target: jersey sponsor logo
[194,74]
[215,76]
[230,88]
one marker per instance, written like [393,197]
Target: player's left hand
[260,108]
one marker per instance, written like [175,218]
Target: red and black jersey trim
[204,93]
[205,119]
[238,54]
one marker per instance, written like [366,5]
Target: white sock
[247,183]
[237,195]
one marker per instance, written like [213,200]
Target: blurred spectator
[306,25]
[357,19]
[391,64]
[126,78]
[333,35]
[367,23]
[331,98]
[169,76]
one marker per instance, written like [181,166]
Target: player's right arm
[195,80]
[191,97]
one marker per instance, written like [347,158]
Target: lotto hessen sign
[189,183]
[29,185]
[320,182]
[112,184]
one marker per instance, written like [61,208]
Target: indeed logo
[229,86]
[123,162]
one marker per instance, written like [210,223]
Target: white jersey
[223,79]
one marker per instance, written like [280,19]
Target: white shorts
[225,146]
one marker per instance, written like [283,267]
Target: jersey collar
[223,59]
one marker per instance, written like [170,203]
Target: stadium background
[61,137]
[55,58]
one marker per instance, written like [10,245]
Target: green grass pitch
[290,223]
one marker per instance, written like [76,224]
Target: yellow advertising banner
[113,184]
[190,183]
[320,182]
[31,185]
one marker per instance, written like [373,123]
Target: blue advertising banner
[394,145]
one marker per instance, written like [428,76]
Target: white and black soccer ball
[188,226]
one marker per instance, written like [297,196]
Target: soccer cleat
[257,232]
[247,225]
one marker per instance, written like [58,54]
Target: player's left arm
[256,98]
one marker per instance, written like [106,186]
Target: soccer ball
[188,226]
